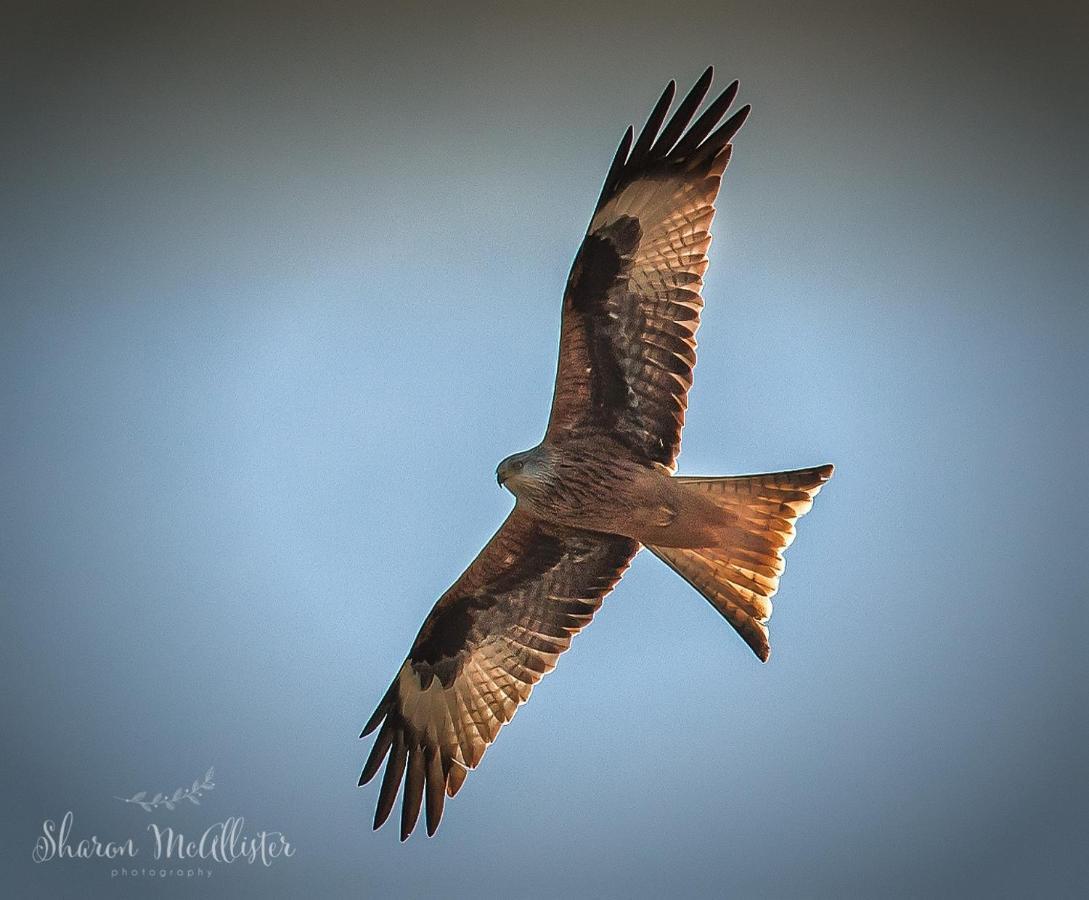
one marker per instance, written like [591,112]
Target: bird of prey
[601,483]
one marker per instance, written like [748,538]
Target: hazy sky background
[281,286]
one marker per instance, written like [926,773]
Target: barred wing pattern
[490,638]
[632,303]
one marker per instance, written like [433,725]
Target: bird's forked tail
[740,573]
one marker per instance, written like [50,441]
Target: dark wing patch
[600,262]
[599,266]
[490,638]
[632,305]
[453,620]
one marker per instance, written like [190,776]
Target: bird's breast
[602,493]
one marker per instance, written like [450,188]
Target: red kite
[601,483]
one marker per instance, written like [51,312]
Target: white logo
[169,851]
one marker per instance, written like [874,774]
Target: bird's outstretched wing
[632,304]
[487,642]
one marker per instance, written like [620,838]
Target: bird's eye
[517,465]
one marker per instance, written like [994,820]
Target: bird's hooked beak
[507,468]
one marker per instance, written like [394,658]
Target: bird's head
[520,470]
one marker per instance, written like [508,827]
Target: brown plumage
[600,484]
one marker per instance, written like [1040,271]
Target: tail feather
[739,575]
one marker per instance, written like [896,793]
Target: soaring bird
[601,483]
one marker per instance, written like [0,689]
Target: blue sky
[282,287]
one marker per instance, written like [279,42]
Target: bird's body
[601,484]
[595,483]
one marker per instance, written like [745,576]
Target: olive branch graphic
[191,793]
